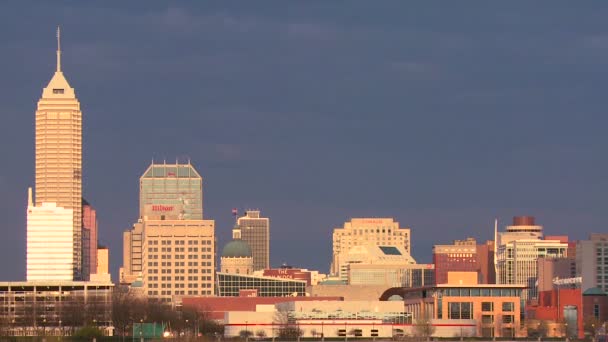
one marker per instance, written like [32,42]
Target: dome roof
[237,249]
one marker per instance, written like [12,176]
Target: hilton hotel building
[171,249]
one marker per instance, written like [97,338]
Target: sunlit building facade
[49,243]
[59,154]
[517,257]
[364,231]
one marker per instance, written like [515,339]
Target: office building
[255,230]
[463,307]
[170,257]
[459,256]
[59,153]
[592,261]
[236,255]
[363,231]
[485,262]
[172,192]
[390,266]
[89,240]
[518,253]
[178,258]
[170,251]
[54,308]
[49,242]
[466,256]
[103,260]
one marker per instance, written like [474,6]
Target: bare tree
[423,328]
[123,309]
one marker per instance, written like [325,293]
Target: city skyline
[503,149]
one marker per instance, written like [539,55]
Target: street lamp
[246,332]
[322,331]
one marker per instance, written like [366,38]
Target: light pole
[246,332]
[141,330]
[322,331]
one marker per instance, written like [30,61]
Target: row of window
[178,263]
[481,292]
[179,242]
[178,292]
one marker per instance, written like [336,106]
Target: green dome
[236,249]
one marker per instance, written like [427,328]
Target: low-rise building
[231,285]
[38,308]
[494,310]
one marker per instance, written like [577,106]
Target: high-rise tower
[255,230]
[59,152]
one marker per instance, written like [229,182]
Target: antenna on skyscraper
[58,48]
[235,213]
[495,246]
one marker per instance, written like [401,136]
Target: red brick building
[559,305]
[465,256]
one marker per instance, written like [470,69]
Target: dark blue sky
[440,115]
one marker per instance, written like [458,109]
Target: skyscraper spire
[58,49]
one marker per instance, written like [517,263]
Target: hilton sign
[163,208]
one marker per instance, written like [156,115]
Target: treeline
[128,310]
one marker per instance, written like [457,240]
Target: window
[507,319]
[57,91]
[462,310]
[487,319]
[487,306]
[508,306]
[596,311]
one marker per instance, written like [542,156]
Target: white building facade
[49,242]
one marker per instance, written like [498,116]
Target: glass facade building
[171,191]
[230,285]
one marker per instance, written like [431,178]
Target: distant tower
[89,240]
[59,153]
[237,256]
[255,230]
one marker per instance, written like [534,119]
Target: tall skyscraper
[59,152]
[170,249]
[363,231]
[49,242]
[255,230]
[171,191]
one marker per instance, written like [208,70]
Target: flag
[235,211]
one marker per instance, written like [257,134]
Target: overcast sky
[441,115]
